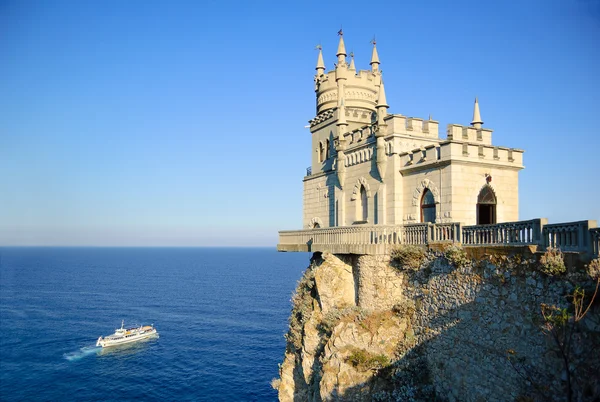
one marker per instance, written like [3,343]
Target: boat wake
[81,353]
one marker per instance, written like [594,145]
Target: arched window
[486,206]
[364,205]
[321,152]
[327,149]
[316,225]
[427,207]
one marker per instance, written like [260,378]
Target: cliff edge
[440,326]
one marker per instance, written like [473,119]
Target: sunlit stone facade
[371,167]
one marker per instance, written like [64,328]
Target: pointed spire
[341,52]
[374,57]
[381,101]
[352,67]
[320,64]
[476,116]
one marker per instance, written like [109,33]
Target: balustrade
[571,236]
[514,233]
[581,236]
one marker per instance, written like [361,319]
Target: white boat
[127,335]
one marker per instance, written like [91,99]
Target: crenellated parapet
[360,90]
[457,132]
[455,151]
[413,126]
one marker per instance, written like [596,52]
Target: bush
[456,256]
[552,262]
[593,269]
[408,256]
[365,360]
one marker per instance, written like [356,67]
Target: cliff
[440,326]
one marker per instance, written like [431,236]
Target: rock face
[365,328]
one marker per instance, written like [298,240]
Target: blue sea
[221,314]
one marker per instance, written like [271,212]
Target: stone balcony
[582,236]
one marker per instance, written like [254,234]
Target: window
[364,203]
[427,207]
[327,149]
[321,152]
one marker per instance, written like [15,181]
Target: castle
[372,167]
[379,179]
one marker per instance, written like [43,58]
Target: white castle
[379,179]
[371,167]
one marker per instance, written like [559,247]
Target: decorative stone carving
[317,221]
[425,183]
[356,193]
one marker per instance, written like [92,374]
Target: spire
[341,52]
[476,116]
[374,57]
[352,67]
[320,64]
[381,101]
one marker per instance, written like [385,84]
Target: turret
[342,127]
[352,66]
[320,64]
[476,116]
[381,131]
[374,58]
[341,52]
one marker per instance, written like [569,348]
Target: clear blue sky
[181,123]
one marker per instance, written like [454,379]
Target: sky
[182,123]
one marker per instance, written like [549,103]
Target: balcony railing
[581,236]
[512,233]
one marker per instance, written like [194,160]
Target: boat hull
[116,341]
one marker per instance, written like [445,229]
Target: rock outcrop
[368,328]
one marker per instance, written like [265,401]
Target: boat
[127,335]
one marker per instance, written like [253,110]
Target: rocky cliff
[439,326]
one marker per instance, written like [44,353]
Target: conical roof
[381,101]
[320,63]
[476,114]
[341,47]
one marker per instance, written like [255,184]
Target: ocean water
[221,314]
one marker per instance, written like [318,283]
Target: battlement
[456,132]
[398,124]
[449,150]
[360,89]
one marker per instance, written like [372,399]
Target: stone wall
[369,328]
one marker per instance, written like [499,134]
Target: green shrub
[456,256]
[408,256]
[552,262]
[365,360]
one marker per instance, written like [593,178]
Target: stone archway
[418,194]
[486,205]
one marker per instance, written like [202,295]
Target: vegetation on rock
[552,262]
[456,256]
[364,360]
[408,256]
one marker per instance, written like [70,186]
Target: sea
[221,315]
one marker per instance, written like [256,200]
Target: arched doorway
[427,207]
[486,206]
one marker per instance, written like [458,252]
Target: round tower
[358,88]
